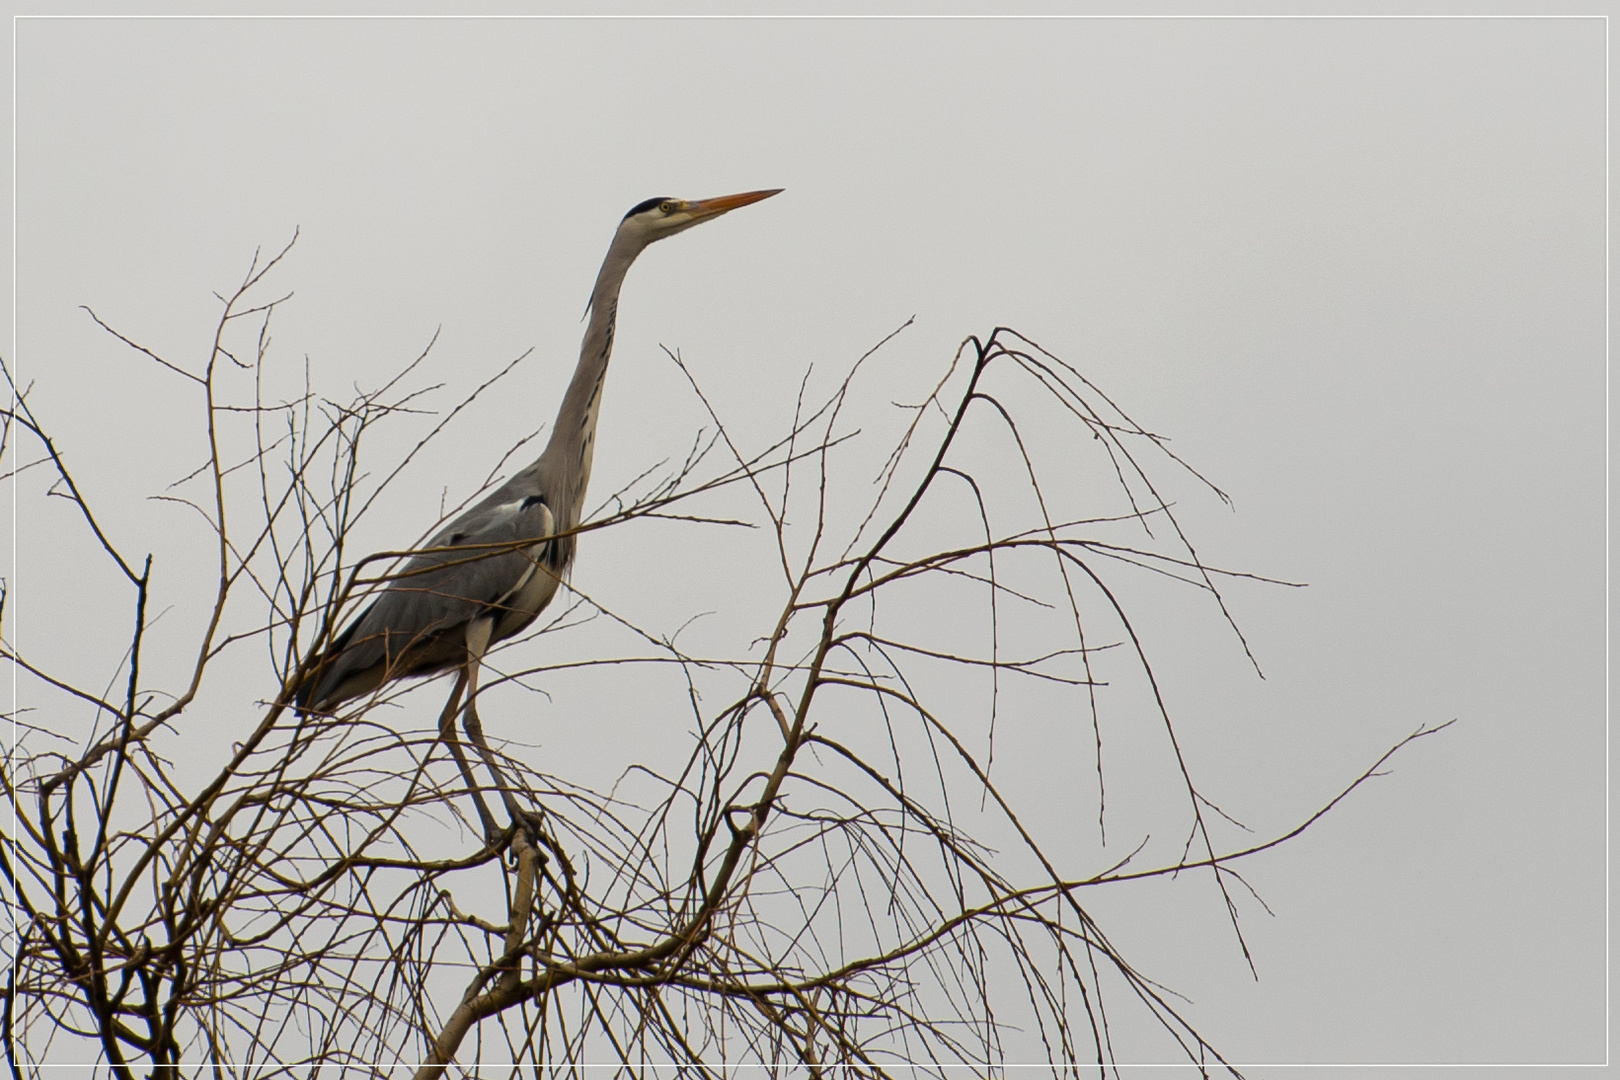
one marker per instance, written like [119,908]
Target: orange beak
[708,208]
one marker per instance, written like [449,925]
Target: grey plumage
[471,587]
[418,625]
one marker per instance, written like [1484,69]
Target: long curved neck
[566,460]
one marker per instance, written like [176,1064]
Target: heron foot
[524,835]
[531,823]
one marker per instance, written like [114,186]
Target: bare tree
[836,876]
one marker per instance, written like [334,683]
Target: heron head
[658,218]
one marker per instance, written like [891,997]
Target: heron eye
[667,206]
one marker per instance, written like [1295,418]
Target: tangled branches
[838,876]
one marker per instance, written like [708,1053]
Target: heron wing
[417,626]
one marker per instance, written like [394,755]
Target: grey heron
[477,582]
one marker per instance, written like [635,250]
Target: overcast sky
[1354,267]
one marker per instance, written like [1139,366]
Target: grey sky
[1354,267]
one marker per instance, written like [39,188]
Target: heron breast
[530,597]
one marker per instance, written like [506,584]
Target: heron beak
[708,208]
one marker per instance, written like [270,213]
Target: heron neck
[573,438]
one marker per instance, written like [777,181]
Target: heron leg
[447,734]
[478,634]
